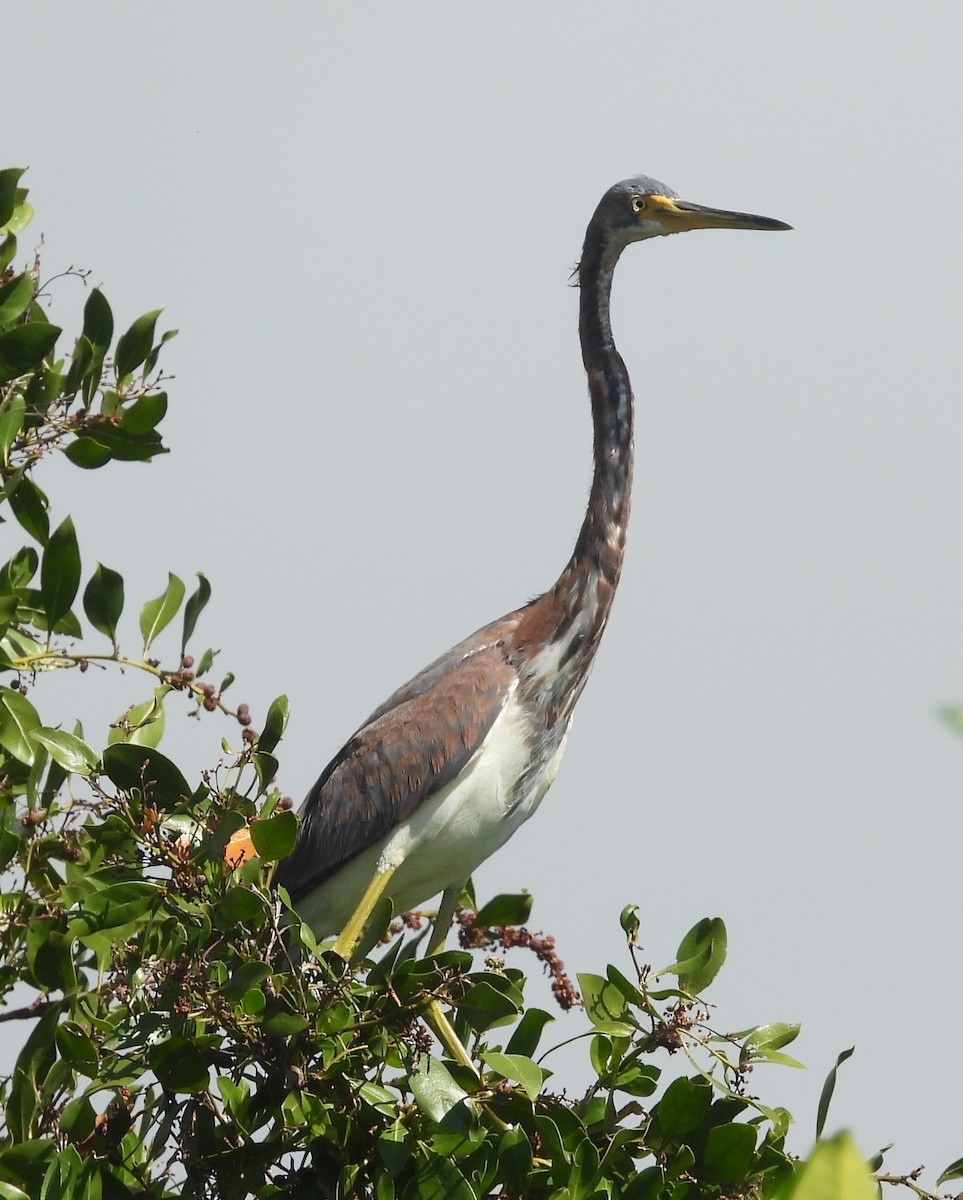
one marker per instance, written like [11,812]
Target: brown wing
[414,744]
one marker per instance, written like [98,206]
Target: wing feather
[420,739]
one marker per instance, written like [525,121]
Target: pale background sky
[362,220]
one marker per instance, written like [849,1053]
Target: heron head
[641,208]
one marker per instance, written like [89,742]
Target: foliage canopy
[187,1037]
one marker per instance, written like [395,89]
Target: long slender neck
[560,632]
[601,541]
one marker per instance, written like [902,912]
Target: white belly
[449,835]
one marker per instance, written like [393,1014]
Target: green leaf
[104,601]
[151,362]
[828,1088]
[29,505]
[15,296]
[111,907]
[8,250]
[520,1068]
[440,1179]
[486,1006]
[729,1153]
[142,724]
[11,194]
[700,955]
[505,909]
[835,1170]
[683,1105]
[145,413]
[134,345]
[145,769]
[284,1024]
[121,443]
[98,322]
[528,1031]
[605,1006]
[953,1171]
[67,751]
[437,1092]
[23,348]
[179,1066]
[59,572]
[18,719]
[275,836]
[12,413]
[21,217]
[515,1160]
[86,453]
[77,1048]
[77,1118]
[196,604]
[158,614]
[274,725]
[29,1074]
[765,1040]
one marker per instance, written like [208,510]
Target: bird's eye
[638,203]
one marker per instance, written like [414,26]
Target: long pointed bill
[679,215]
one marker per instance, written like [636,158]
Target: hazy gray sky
[362,220]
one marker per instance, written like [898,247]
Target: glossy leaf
[829,1087]
[515,1160]
[605,1006]
[68,751]
[275,836]
[274,724]
[528,1032]
[60,572]
[435,1090]
[157,614]
[700,955]
[764,1042]
[104,601]
[145,413]
[142,724]
[18,719]
[29,505]
[505,909]
[953,1171]
[18,571]
[10,192]
[12,415]
[8,250]
[98,322]
[81,366]
[522,1069]
[23,348]
[86,453]
[15,295]
[111,908]
[134,345]
[151,361]
[147,770]
[77,1048]
[122,444]
[196,603]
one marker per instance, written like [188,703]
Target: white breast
[451,833]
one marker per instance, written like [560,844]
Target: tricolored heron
[444,772]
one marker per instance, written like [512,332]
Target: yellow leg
[446,910]
[440,1026]
[349,937]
